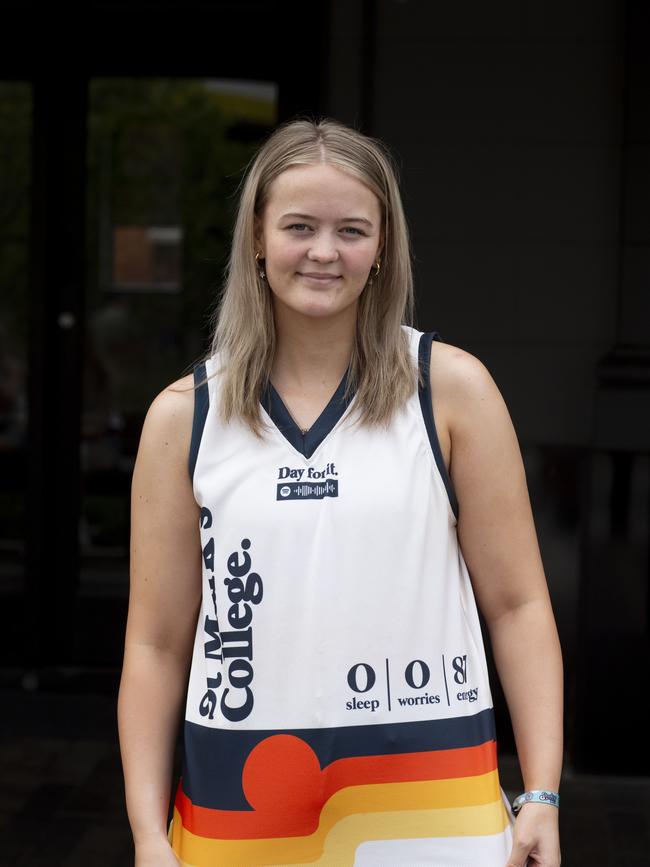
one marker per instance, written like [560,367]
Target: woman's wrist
[536,796]
[541,779]
[144,838]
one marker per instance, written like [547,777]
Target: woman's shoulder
[175,398]
[461,384]
[453,365]
[168,421]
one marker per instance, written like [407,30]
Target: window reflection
[147,258]
[164,160]
[15,182]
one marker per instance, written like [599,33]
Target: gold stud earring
[373,274]
[260,269]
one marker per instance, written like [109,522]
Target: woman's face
[318,220]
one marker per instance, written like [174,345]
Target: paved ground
[61,802]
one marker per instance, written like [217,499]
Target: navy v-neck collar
[306,443]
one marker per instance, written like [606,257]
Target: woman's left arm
[497,536]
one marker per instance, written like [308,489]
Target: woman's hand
[155,853]
[536,840]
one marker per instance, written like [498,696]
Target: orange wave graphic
[286,787]
[468,807]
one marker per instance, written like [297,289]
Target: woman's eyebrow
[342,220]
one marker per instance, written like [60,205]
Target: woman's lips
[321,279]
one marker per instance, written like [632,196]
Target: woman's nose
[323,248]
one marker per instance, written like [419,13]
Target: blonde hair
[381,369]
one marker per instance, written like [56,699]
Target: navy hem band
[424,357]
[201,405]
[214,758]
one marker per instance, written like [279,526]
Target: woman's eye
[300,227]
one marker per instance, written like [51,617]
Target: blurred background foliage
[163,153]
[164,159]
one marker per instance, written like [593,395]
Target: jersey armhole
[201,405]
[426,404]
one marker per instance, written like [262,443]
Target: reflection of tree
[172,161]
[160,152]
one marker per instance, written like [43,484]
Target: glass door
[15,183]
[164,158]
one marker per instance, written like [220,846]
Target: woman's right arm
[164,599]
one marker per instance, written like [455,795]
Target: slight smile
[320,278]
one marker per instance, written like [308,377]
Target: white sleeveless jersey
[338,708]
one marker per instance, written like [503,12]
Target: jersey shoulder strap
[201,406]
[426,405]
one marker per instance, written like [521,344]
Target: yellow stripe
[388,811]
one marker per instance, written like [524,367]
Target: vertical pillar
[57,279]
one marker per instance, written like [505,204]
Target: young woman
[307,510]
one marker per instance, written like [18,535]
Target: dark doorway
[117,190]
